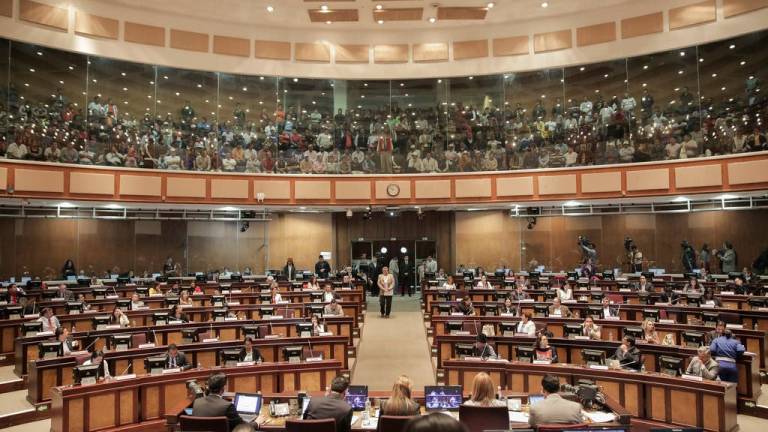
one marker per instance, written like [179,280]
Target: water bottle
[642,368]
[367,412]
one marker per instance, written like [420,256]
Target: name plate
[249,363]
[472,358]
[457,314]
[707,306]
[734,326]
[147,345]
[542,362]
[208,340]
[175,322]
[460,333]
[611,318]
[526,301]
[31,316]
[346,289]
[112,296]
[325,333]
[569,301]
[662,304]
[691,377]
[598,367]
[275,317]
[125,377]
[497,360]
[157,295]
[44,333]
[111,326]
[727,293]
[625,290]
[62,298]
[237,303]
[762,309]
[140,308]
[230,318]
[236,291]
[581,337]
[171,370]
[313,359]
[507,314]
[272,336]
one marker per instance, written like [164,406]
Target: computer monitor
[141,291]
[316,297]
[357,396]
[218,300]
[122,280]
[608,275]
[219,314]
[292,354]
[593,357]
[229,357]
[265,298]
[596,296]
[120,342]
[200,277]
[671,366]
[266,312]
[444,309]
[524,353]
[499,273]
[160,318]
[304,329]
[189,335]
[99,293]
[756,302]
[155,364]
[469,275]
[86,374]
[540,310]
[50,349]
[644,298]
[248,404]
[315,310]
[100,321]
[49,294]
[635,332]
[689,276]
[710,318]
[171,301]
[442,398]
[31,328]
[570,330]
[507,328]
[74,308]
[34,283]
[572,275]
[692,339]
[534,275]
[462,350]
[452,327]
[693,300]
[491,309]
[533,400]
[251,331]
[13,312]
[594,311]
[124,304]
[651,314]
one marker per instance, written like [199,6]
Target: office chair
[324,425]
[389,423]
[479,419]
[203,424]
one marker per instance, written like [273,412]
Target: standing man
[386,283]
[394,268]
[637,259]
[406,277]
[727,258]
[322,268]
[430,266]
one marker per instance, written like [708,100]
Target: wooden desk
[26,347]
[46,374]
[708,404]
[143,402]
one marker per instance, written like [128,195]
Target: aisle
[393,346]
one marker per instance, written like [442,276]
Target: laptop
[357,395]
[248,406]
[534,399]
[442,398]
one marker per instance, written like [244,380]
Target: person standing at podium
[289,270]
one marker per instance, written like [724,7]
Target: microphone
[91,344]
[309,341]
[126,369]
[154,336]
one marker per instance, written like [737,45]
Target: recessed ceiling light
[328,22]
[379,7]
[582,68]
[432,20]
[381,21]
[324,8]
[490,5]
[544,4]
[295,80]
[270,9]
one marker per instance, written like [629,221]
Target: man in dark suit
[175,358]
[213,405]
[322,268]
[554,409]
[332,406]
[405,276]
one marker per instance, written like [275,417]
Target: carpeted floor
[393,346]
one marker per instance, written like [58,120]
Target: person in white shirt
[16,151]
[483,283]
[229,164]
[586,106]
[565,292]
[672,149]
[135,302]
[386,284]
[691,146]
[525,325]
[628,104]
[449,284]
[276,297]
[608,311]
[571,158]
[626,152]
[414,164]
[49,320]
[118,317]
[97,358]
[430,265]
[328,294]
[429,164]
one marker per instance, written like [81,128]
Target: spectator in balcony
[756,141]
[69,154]
[672,149]
[690,147]
[228,164]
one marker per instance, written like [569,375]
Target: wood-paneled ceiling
[367,14]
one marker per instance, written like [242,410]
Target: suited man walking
[554,409]
[213,405]
[333,405]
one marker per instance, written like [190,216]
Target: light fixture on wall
[403,250]
[383,249]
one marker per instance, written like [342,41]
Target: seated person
[564,292]
[483,283]
[449,284]
[68,344]
[317,328]
[119,318]
[519,293]
[81,299]
[275,294]
[508,308]
[714,334]
[400,402]
[607,310]
[649,332]
[482,348]
[526,325]
[333,405]
[589,328]
[644,285]
[627,354]
[135,302]
[692,286]
[249,353]
[63,293]
[333,309]
[213,405]
[185,299]
[465,307]
[175,358]
[176,314]
[97,358]
[49,320]
[709,299]
[543,351]
[484,392]
[703,365]
[554,409]
[558,310]
[329,294]
[668,296]
[15,294]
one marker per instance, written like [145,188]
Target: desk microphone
[211,329]
[309,341]
[485,347]
[91,344]
[126,369]
[154,336]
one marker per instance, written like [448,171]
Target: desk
[46,374]
[707,404]
[143,402]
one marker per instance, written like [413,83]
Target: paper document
[599,416]
[518,417]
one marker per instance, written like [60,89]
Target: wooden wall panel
[557,184]
[272,50]
[470,49]
[430,189]
[43,14]
[93,25]
[185,187]
[487,225]
[189,41]
[642,25]
[90,183]
[312,190]
[514,186]
[404,185]
[652,179]
[733,8]
[6,8]
[552,41]
[692,14]
[601,182]
[473,188]
[748,172]
[144,34]
[596,34]
[698,176]
[38,180]
[313,52]
[301,236]
[231,46]
[140,185]
[516,45]
[390,53]
[352,54]
[353,190]
[3,178]
[273,189]
[93,240]
[430,52]
[230,188]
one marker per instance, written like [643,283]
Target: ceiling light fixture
[381,21]
[544,4]
[328,22]
[432,20]
[324,8]
[379,7]
[270,9]
[490,5]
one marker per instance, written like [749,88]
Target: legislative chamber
[383,215]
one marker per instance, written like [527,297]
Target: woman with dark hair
[435,422]
[68,269]
[543,350]
[118,317]
[176,314]
[709,299]
[249,353]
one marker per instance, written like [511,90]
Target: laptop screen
[247,403]
[534,399]
[442,397]
[357,395]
